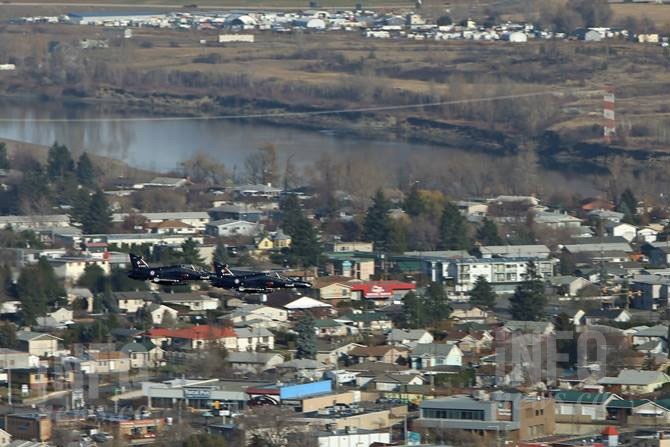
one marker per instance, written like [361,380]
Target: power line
[290,114]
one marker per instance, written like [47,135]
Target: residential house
[57,319]
[595,316]
[472,342]
[232,228]
[273,241]
[578,406]
[161,313]
[143,355]
[429,355]
[637,382]
[367,321]
[38,344]
[256,191]
[200,337]
[235,212]
[80,295]
[348,247]
[649,292]
[194,301]
[11,359]
[164,182]
[648,234]
[557,221]
[620,229]
[327,327]
[254,361]
[196,219]
[383,354]
[529,327]
[598,245]
[131,302]
[169,227]
[638,412]
[568,285]
[657,252]
[108,362]
[396,381]
[467,313]
[330,353]
[408,337]
[332,289]
[646,334]
[71,268]
[254,339]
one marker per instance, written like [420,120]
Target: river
[105,129]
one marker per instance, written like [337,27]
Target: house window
[345,292]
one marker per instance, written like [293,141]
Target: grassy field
[659,14]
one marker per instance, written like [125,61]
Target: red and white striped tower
[609,125]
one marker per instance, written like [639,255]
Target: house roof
[605,314]
[406,334]
[659,330]
[365,317]
[627,403]
[441,349]
[636,378]
[528,326]
[30,336]
[301,364]
[325,281]
[168,224]
[204,332]
[374,351]
[583,398]
[306,302]
[251,357]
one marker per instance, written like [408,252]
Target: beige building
[39,344]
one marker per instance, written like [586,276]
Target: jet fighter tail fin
[222,270]
[138,262]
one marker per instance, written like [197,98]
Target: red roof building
[196,337]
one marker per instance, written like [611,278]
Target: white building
[231,227]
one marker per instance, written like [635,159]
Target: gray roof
[654,331]
[515,250]
[235,209]
[28,335]
[260,358]
[528,326]
[245,332]
[409,334]
[302,364]
[441,349]
[633,377]
[596,244]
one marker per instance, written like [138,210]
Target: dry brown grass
[659,14]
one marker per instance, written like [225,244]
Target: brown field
[659,14]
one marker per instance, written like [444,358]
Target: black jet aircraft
[253,282]
[167,275]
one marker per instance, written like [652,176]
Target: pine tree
[487,233]
[628,206]
[221,253]
[528,301]
[482,294]
[37,287]
[306,339]
[59,161]
[397,237]
[98,218]
[8,335]
[305,247]
[93,279]
[377,224]
[4,157]
[190,253]
[81,202]
[413,204]
[437,303]
[85,171]
[453,229]
[413,311]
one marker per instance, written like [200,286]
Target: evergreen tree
[221,253]
[437,303]
[413,316]
[453,229]
[59,161]
[482,294]
[81,202]
[413,204]
[377,224]
[98,219]
[567,264]
[190,253]
[290,211]
[4,157]
[487,233]
[305,247]
[85,171]
[528,301]
[37,288]
[628,206]
[93,279]
[8,335]
[34,186]
[306,339]
[565,346]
